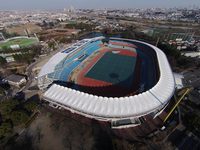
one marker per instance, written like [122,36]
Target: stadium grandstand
[120,82]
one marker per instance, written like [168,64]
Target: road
[30,75]
[29,70]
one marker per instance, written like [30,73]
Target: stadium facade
[81,78]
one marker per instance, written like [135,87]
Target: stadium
[118,81]
[18,42]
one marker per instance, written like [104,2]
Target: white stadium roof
[114,108]
[50,66]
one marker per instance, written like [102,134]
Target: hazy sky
[57,4]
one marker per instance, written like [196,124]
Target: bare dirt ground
[32,28]
[41,130]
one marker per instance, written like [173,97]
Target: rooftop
[14,78]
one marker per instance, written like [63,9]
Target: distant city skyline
[118,4]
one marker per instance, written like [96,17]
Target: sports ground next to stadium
[21,41]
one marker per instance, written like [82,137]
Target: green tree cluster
[2,61]
[30,106]
[170,50]
[13,113]
[5,129]
[192,121]
[24,57]
[174,54]
[52,45]
[18,117]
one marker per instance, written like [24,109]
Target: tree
[51,45]
[19,117]
[2,92]
[192,121]
[65,40]
[30,106]
[4,48]
[6,108]
[2,61]
[24,57]
[169,50]
[5,129]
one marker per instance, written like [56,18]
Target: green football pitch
[114,68]
[22,42]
